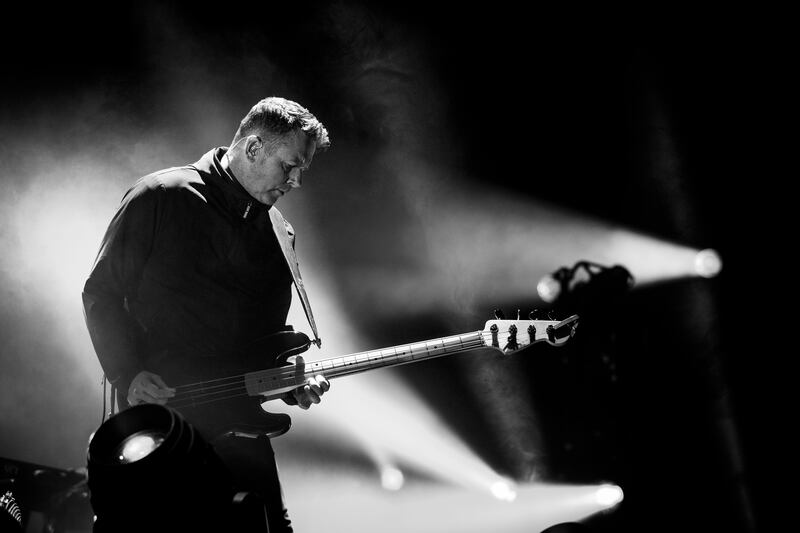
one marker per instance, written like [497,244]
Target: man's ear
[252,145]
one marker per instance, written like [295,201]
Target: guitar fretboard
[283,379]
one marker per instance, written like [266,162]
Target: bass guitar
[223,396]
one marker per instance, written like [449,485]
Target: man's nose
[295,178]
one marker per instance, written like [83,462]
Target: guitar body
[210,390]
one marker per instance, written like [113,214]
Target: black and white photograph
[350,266]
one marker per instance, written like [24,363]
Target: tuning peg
[533,314]
[519,314]
[499,314]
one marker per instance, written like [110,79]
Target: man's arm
[114,279]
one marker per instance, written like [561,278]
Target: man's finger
[306,396]
[323,383]
[311,393]
[169,391]
[160,393]
[150,397]
[302,400]
[315,388]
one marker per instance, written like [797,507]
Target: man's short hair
[274,117]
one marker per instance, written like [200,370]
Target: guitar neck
[277,381]
[396,355]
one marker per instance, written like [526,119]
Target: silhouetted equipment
[591,290]
[34,497]
[10,513]
[585,284]
[150,470]
[582,388]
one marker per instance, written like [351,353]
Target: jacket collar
[226,188]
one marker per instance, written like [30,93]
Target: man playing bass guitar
[193,269]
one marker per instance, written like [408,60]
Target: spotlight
[549,288]
[582,276]
[139,445]
[707,263]
[392,478]
[608,495]
[147,465]
[504,490]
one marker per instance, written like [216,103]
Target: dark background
[661,121]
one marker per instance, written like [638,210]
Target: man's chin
[269,198]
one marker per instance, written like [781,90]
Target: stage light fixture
[584,277]
[147,465]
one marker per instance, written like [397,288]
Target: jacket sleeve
[114,281]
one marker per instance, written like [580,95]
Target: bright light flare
[707,263]
[483,235]
[58,223]
[608,495]
[331,495]
[392,478]
[504,491]
[138,446]
[548,288]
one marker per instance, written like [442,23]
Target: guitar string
[485,336]
[206,395]
[291,369]
[290,375]
[237,389]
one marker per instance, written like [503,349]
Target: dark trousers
[252,465]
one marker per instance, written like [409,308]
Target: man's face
[275,172]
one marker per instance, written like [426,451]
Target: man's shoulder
[179,180]
[173,178]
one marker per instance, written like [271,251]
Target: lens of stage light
[707,263]
[391,478]
[548,288]
[139,445]
[608,495]
[503,490]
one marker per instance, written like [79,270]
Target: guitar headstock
[511,336]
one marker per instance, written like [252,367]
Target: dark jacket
[189,264]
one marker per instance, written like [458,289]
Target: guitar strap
[285,233]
